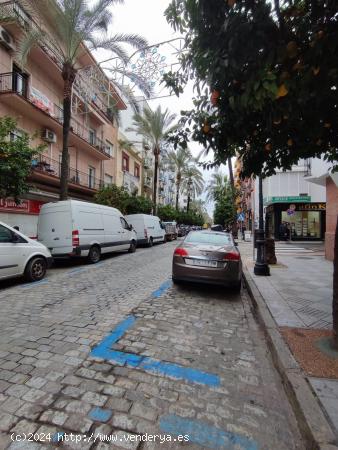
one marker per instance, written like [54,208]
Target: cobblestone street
[116,348]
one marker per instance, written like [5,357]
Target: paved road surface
[116,349]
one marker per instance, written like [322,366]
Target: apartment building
[33,95]
[129,166]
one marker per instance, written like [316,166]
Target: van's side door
[125,233]
[113,233]
[12,254]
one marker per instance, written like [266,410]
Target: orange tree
[266,80]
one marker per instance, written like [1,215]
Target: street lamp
[261,267]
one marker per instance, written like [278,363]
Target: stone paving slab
[50,383]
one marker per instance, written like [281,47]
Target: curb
[313,424]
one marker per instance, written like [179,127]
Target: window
[109,148]
[14,135]
[91,177]
[137,170]
[124,223]
[19,81]
[208,238]
[92,137]
[125,162]
[5,234]
[108,180]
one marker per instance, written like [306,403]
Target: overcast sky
[146,18]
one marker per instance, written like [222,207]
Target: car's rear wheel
[132,248]
[94,254]
[176,281]
[36,269]
[150,242]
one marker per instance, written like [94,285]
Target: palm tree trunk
[156,154]
[178,182]
[188,203]
[68,75]
[335,291]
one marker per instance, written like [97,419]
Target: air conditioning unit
[6,39]
[48,135]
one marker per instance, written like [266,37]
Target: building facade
[33,96]
[129,166]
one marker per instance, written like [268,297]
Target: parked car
[73,228]
[20,255]
[208,257]
[170,230]
[149,229]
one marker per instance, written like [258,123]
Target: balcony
[48,171]
[14,91]
[14,15]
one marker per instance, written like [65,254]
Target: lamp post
[261,267]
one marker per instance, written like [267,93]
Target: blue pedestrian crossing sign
[241,217]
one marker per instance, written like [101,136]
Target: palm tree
[179,161]
[154,126]
[76,23]
[218,187]
[192,183]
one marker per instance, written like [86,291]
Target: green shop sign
[282,199]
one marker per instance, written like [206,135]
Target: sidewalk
[298,295]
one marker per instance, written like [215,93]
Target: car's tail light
[232,256]
[145,233]
[180,252]
[75,238]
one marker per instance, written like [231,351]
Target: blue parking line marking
[34,283]
[104,351]
[180,372]
[205,435]
[77,270]
[164,286]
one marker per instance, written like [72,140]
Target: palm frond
[134,40]
[29,40]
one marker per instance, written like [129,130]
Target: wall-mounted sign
[283,199]
[41,101]
[25,207]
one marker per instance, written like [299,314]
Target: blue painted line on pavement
[34,283]
[205,435]
[77,270]
[104,351]
[164,286]
[100,414]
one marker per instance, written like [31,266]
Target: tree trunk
[68,75]
[156,154]
[231,174]
[335,291]
[188,203]
[178,183]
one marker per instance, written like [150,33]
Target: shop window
[125,162]
[303,224]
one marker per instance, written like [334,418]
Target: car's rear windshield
[208,238]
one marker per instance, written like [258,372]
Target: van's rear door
[55,228]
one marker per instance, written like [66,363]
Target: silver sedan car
[208,257]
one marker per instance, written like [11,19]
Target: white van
[75,228]
[148,228]
[20,255]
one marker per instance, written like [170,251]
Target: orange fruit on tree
[315,70]
[231,2]
[292,49]
[206,128]
[290,142]
[282,91]
[327,125]
[268,147]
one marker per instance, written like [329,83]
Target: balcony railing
[18,84]
[13,10]
[52,167]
